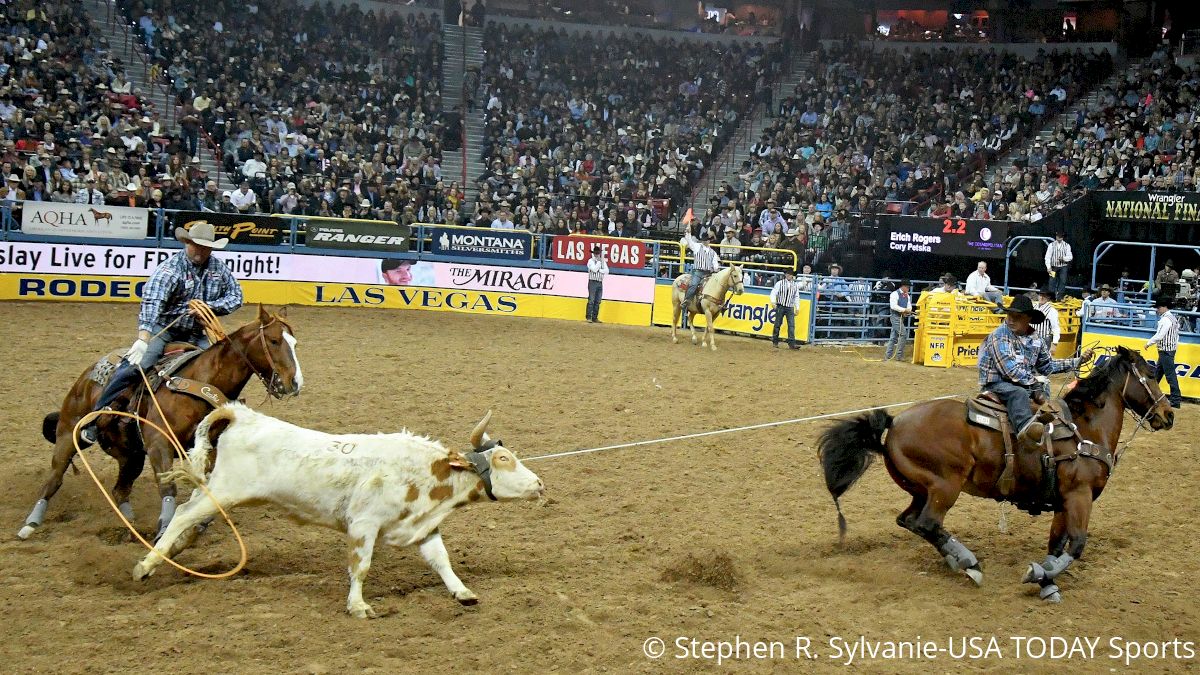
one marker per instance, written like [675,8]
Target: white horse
[710,301]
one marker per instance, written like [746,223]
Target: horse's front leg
[1068,537]
[161,456]
[692,325]
[710,331]
[676,312]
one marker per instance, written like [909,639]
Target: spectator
[979,284]
[243,199]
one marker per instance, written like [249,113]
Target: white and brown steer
[400,486]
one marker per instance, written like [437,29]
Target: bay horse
[710,300]
[264,347]
[935,454]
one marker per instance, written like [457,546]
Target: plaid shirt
[177,281]
[1005,357]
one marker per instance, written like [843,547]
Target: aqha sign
[575,250]
[56,219]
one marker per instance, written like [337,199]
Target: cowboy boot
[1031,435]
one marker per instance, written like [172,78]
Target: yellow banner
[77,288]
[1187,358]
[747,314]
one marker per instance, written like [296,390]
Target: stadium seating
[608,128]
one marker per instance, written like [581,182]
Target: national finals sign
[946,236]
[1155,206]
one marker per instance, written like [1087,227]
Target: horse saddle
[985,409]
[175,356]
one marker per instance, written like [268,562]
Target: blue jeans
[1017,399]
[127,374]
[897,339]
[595,293]
[1166,367]
[1058,283]
[698,277]
[783,313]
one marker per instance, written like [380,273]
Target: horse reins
[216,333]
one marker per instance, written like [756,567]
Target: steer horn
[479,435]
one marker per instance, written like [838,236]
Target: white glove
[136,352]
[1041,379]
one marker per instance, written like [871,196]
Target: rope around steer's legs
[170,435]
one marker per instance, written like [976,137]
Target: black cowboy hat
[1045,290]
[1169,263]
[1164,300]
[904,282]
[1023,305]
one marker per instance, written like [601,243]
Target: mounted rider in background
[705,262]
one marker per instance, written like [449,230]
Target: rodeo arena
[890,356]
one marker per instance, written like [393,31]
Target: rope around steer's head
[170,435]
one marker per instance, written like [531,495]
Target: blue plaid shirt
[176,281]
[1006,357]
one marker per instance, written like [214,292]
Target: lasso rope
[215,332]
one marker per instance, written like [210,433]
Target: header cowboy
[1013,363]
[191,274]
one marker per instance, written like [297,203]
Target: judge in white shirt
[597,269]
[979,284]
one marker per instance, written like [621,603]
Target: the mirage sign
[473,243]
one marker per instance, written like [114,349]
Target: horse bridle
[1139,420]
[274,385]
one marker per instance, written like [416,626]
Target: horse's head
[1141,393]
[270,348]
[735,279]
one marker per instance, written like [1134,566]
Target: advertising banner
[911,235]
[1187,357]
[577,250]
[467,242]
[1164,207]
[54,219]
[239,228]
[750,313]
[356,235]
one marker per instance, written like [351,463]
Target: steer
[397,485]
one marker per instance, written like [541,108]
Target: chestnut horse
[934,454]
[265,347]
[710,300]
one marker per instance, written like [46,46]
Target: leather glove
[136,352]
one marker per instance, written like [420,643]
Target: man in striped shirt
[705,262]
[1049,331]
[1058,262]
[597,268]
[1166,339]
[785,295]
[1011,361]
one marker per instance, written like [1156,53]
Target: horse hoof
[674,341]
[1050,593]
[140,573]
[26,532]
[975,574]
[466,598]
[1033,574]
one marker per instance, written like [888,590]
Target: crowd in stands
[72,128]
[909,133]
[636,13]
[606,130]
[1140,136]
[314,109]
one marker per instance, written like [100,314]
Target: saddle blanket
[175,357]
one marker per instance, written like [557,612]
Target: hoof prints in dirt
[709,568]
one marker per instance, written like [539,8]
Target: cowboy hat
[1164,300]
[1045,291]
[201,233]
[1023,305]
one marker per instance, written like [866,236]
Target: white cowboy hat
[201,233]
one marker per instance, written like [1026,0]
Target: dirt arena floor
[576,584]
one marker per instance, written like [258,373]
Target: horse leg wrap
[126,510]
[958,557]
[1049,569]
[203,525]
[1050,593]
[165,516]
[38,514]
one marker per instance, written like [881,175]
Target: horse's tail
[846,449]
[50,427]
[201,457]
